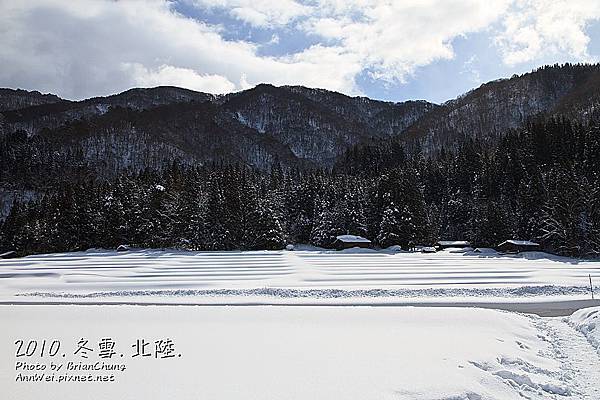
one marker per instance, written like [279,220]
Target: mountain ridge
[293,126]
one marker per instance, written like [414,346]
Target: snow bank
[458,250]
[394,249]
[523,292]
[358,250]
[587,321]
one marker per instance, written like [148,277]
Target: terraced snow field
[308,273]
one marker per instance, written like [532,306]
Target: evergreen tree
[327,227]
[396,228]
[267,232]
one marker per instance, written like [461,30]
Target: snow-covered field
[315,349]
[355,276]
[311,353]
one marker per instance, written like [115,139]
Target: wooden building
[9,254]
[348,241]
[517,246]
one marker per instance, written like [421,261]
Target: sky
[391,50]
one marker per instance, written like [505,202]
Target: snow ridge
[587,322]
[523,291]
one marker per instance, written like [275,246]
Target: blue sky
[391,50]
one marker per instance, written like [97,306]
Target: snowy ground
[315,349]
[311,353]
[309,277]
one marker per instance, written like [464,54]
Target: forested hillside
[540,182]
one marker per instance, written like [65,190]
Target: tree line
[539,183]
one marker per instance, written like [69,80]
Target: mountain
[319,125]
[55,114]
[488,112]
[139,128]
[17,99]
[290,125]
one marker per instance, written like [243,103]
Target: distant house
[484,250]
[9,254]
[517,246]
[447,244]
[348,241]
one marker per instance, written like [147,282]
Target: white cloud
[274,39]
[260,13]
[79,49]
[87,48]
[537,28]
[392,39]
[332,64]
[182,77]
[469,69]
